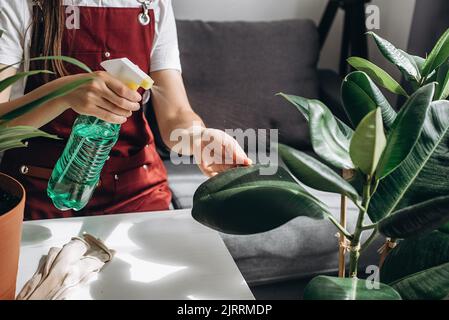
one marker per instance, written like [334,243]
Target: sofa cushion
[232,71]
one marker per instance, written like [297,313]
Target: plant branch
[369,227]
[347,234]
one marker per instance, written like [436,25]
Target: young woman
[134,178]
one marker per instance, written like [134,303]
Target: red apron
[134,179]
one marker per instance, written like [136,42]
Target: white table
[163,255]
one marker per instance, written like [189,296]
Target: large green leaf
[360,96]
[63,90]
[328,140]
[70,60]
[368,142]
[398,58]
[12,137]
[416,219]
[234,204]
[438,55]
[406,130]
[424,174]
[415,255]
[302,104]
[332,288]
[13,79]
[315,174]
[378,75]
[442,89]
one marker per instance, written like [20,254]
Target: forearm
[40,115]
[178,132]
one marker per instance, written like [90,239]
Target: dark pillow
[232,71]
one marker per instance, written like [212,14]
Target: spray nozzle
[128,73]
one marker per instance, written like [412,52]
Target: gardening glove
[65,269]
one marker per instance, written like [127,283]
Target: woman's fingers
[107,105]
[119,88]
[105,115]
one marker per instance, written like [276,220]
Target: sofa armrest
[330,93]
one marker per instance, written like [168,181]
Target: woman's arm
[173,112]
[104,97]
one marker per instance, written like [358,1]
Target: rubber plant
[400,165]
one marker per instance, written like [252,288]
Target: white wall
[395,21]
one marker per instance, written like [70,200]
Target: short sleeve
[165,53]
[12,23]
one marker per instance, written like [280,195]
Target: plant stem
[340,228]
[355,241]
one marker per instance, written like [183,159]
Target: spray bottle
[77,172]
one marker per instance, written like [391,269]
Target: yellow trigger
[133,86]
[147,83]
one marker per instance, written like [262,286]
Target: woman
[134,179]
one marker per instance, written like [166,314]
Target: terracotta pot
[10,236]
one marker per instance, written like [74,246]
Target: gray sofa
[232,71]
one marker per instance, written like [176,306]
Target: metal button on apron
[107,54]
[24,169]
[116,177]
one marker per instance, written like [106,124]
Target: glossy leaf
[360,96]
[419,177]
[415,255]
[13,79]
[333,288]
[315,174]
[442,89]
[438,55]
[70,60]
[416,219]
[328,140]
[368,143]
[405,130]
[232,206]
[50,96]
[378,75]
[396,56]
[13,137]
[302,104]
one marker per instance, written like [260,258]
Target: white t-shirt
[16,19]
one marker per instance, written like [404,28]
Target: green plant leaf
[430,284]
[368,142]
[378,75]
[70,60]
[229,204]
[414,255]
[360,96]
[438,55]
[333,288]
[315,174]
[419,177]
[328,140]
[444,228]
[12,137]
[13,79]
[302,104]
[416,219]
[396,56]
[406,130]
[442,89]
[63,90]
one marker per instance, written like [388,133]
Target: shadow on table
[168,265]
[32,234]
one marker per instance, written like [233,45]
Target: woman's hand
[215,151]
[105,97]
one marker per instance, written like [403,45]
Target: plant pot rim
[13,182]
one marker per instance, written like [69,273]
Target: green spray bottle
[77,172]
